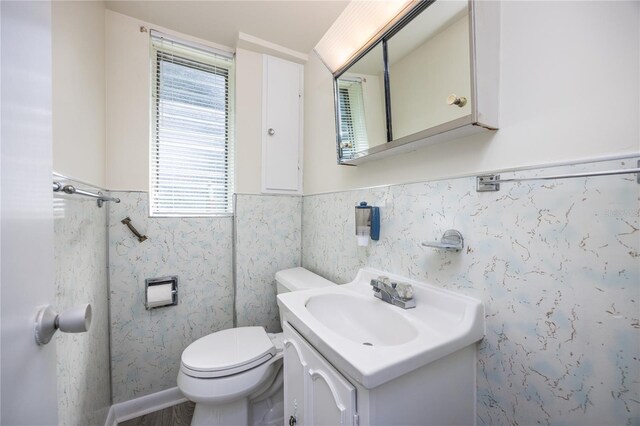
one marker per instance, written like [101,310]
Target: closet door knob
[271,132]
[456,100]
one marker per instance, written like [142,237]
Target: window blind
[191,155]
[353,129]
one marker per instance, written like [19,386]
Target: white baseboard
[111,418]
[137,407]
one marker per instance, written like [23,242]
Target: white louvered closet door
[282,126]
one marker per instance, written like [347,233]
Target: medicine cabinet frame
[484,52]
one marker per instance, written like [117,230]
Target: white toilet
[231,374]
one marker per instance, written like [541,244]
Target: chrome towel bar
[70,189]
[490,183]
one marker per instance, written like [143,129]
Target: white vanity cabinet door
[329,399]
[294,380]
[281,126]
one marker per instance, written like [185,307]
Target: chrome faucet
[398,294]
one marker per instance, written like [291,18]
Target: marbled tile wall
[80,257]
[268,239]
[146,345]
[557,264]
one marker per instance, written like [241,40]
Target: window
[191,164]
[353,131]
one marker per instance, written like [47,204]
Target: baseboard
[111,418]
[137,407]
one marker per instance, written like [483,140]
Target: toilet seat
[227,352]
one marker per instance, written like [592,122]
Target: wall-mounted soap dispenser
[367,223]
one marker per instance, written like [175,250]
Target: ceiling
[297,25]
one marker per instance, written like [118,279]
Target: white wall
[570,90]
[128,107]
[79,90]
[127,103]
[248,165]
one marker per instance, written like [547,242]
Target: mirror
[361,105]
[417,84]
[429,61]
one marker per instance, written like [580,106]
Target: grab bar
[70,189]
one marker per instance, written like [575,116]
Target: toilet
[235,375]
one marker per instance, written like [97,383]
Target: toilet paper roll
[159,295]
[363,240]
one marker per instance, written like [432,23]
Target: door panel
[329,399]
[294,370]
[282,126]
[26,280]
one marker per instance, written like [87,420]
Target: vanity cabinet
[281,126]
[315,392]
[440,393]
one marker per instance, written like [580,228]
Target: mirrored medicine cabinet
[430,76]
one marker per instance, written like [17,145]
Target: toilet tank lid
[301,279]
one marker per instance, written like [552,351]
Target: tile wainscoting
[146,345]
[557,264]
[80,258]
[268,239]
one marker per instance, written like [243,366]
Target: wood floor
[178,415]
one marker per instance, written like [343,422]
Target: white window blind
[191,151]
[353,129]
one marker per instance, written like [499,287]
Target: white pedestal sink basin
[374,342]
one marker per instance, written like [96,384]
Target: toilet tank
[295,279]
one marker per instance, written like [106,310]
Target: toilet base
[231,414]
[269,412]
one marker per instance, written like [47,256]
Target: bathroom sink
[374,342]
[362,320]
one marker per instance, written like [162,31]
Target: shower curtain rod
[489,183]
[70,189]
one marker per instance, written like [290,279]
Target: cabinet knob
[456,100]
[271,132]
[292,421]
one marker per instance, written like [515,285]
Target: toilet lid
[228,352]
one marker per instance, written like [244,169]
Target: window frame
[186,54]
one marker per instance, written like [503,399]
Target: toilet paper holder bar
[149,283]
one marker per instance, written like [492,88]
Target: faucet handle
[404,290]
[377,284]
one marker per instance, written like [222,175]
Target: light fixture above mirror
[357,26]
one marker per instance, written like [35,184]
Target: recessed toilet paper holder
[48,321]
[171,298]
